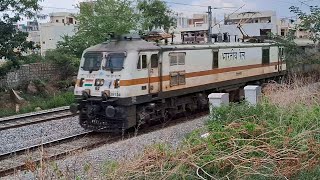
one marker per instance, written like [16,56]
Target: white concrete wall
[61,17]
[260,14]
[252,29]
[51,33]
[34,36]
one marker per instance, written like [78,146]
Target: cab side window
[215,63]
[154,60]
[266,56]
[142,62]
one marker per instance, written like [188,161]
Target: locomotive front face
[100,74]
[98,90]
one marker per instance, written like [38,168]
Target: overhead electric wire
[229,15]
[304,3]
[196,5]
[48,7]
[170,2]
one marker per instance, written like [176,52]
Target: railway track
[34,118]
[29,157]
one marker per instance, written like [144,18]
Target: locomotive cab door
[154,73]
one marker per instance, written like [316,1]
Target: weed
[42,101]
[245,142]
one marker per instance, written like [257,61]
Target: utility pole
[209,24]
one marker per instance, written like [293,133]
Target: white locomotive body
[128,82]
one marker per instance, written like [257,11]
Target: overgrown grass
[42,101]
[245,142]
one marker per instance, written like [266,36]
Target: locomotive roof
[124,45]
[142,45]
[215,45]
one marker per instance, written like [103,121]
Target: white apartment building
[191,29]
[61,24]
[250,24]
[32,28]
[287,24]
[182,21]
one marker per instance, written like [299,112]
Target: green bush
[6,67]
[67,63]
[32,58]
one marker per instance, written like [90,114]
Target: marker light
[116,83]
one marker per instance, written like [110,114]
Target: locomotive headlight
[99,82]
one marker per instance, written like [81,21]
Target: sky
[280,6]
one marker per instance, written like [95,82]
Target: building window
[142,62]
[154,60]
[70,20]
[265,55]
[57,20]
[177,58]
[43,42]
[215,61]
[62,20]
[282,32]
[177,78]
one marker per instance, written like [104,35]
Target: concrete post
[252,94]
[218,99]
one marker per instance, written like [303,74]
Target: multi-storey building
[237,26]
[60,24]
[194,29]
[248,24]
[32,28]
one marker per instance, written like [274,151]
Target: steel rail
[21,150]
[19,159]
[34,118]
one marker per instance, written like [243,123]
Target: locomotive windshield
[92,61]
[114,62]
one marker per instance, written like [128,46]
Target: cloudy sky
[280,6]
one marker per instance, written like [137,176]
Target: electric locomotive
[127,82]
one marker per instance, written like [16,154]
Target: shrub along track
[34,118]
[30,157]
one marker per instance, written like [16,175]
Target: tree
[12,41]
[155,14]
[67,63]
[74,45]
[96,21]
[295,55]
[309,22]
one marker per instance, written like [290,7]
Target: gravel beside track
[121,150]
[17,138]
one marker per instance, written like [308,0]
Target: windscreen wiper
[110,65]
